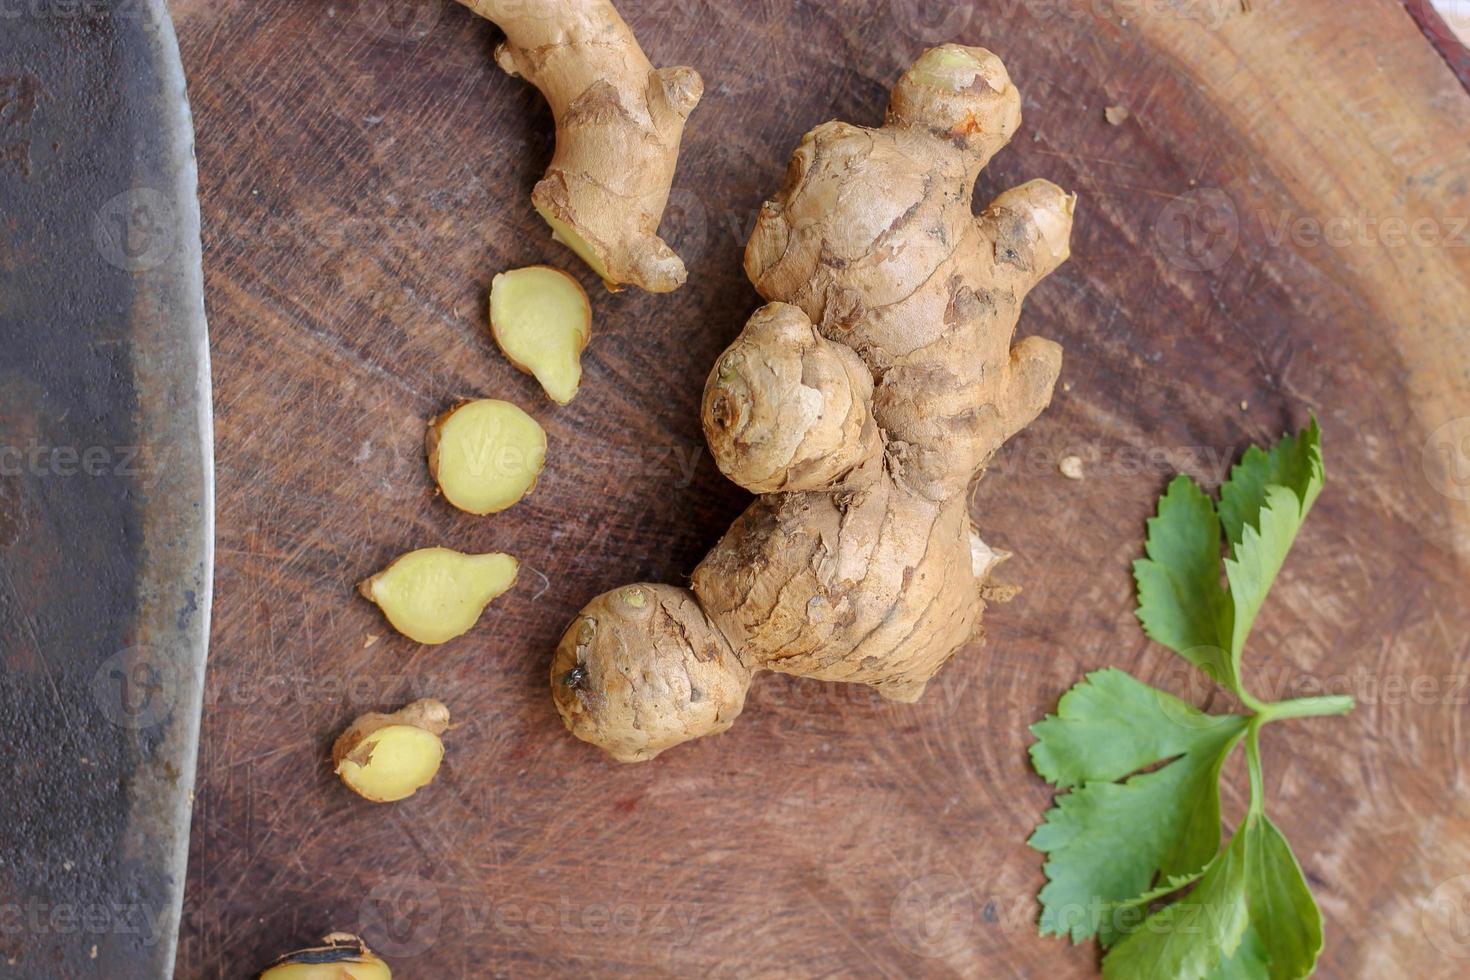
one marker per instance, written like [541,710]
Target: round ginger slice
[434,595]
[542,320]
[485,454]
[385,758]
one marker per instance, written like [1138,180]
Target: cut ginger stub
[541,319]
[485,454]
[435,594]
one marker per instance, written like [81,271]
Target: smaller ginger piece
[485,454]
[542,320]
[341,956]
[435,594]
[619,122]
[386,758]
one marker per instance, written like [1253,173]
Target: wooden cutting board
[1279,227]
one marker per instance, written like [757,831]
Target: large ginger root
[861,402]
[618,126]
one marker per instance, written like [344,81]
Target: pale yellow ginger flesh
[860,404]
[341,956]
[619,122]
[435,594]
[389,757]
[541,319]
[485,454]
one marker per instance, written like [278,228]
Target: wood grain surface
[1280,227]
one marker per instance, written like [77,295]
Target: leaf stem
[1305,708]
[1253,763]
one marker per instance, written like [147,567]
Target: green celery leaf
[1295,463]
[1281,938]
[1111,725]
[1123,917]
[1107,842]
[1253,566]
[1180,601]
[1282,910]
[1189,939]
[1248,962]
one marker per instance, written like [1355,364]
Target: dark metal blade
[106,488]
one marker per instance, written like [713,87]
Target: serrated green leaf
[1257,559]
[1180,601]
[1106,842]
[1295,463]
[1191,938]
[1111,725]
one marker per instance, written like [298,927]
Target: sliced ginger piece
[435,594]
[342,956]
[386,758]
[485,454]
[542,320]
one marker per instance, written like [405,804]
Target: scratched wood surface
[1277,228]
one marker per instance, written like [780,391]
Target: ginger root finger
[619,122]
[785,409]
[434,595]
[485,454]
[341,956]
[641,670]
[859,563]
[389,757]
[542,321]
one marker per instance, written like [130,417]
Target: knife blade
[106,488]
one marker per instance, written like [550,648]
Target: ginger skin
[341,956]
[860,402]
[619,122]
[388,757]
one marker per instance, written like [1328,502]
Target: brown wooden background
[365,171]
